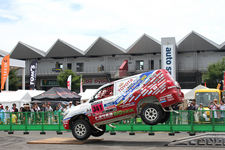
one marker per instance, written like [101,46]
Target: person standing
[56,114]
[60,106]
[202,113]
[222,108]
[191,107]
[214,107]
[48,110]
[7,114]
[70,105]
[176,116]
[1,114]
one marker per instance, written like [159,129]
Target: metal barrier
[188,121]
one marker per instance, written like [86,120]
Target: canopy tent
[87,94]
[57,94]
[18,97]
[191,94]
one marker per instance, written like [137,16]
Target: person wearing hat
[1,114]
[202,113]
[70,105]
[213,106]
[26,109]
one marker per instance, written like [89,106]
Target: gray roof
[194,42]
[24,51]
[103,47]
[63,49]
[222,46]
[3,53]
[145,44]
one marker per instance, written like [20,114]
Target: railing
[188,121]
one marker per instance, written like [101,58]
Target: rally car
[148,95]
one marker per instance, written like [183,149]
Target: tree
[13,80]
[214,74]
[75,80]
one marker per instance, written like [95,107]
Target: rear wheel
[95,132]
[151,114]
[166,116]
[81,129]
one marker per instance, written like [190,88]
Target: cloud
[40,23]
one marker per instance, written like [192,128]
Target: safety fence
[188,121]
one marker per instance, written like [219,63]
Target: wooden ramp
[65,141]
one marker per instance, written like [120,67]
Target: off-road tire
[96,133]
[81,129]
[151,114]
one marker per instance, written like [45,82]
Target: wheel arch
[147,100]
[76,117]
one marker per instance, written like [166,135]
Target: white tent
[87,94]
[18,97]
[191,94]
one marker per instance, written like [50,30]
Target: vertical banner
[4,70]
[223,80]
[33,74]
[168,56]
[81,85]
[69,83]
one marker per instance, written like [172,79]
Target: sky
[39,23]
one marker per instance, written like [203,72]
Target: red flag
[69,83]
[4,70]
[205,84]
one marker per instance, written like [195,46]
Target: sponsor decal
[97,107]
[109,104]
[104,116]
[120,112]
[163,101]
[127,105]
[123,86]
[110,107]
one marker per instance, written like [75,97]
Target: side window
[104,92]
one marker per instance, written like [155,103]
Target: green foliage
[13,80]
[63,76]
[214,73]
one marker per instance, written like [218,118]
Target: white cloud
[40,23]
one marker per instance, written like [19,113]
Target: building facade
[105,61]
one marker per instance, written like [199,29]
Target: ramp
[201,140]
[65,141]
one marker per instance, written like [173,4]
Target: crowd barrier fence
[184,120]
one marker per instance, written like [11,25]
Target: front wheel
[151,114]
[81,129]
[95,132]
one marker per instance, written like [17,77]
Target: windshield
[206,97]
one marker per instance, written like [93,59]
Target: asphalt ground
[120,141]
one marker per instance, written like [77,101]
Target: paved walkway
[122,140]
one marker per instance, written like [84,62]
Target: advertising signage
[168,56]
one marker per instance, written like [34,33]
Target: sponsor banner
[120,112]
[4,70]
[33,74]
[81,85]
[104,116]
[95,81]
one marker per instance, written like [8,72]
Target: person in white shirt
[222,107]
[70,105]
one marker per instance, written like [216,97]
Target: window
[152,64]
[104,92]
[139,65]
[80,67]
[69,66]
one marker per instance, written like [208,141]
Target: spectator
[7,114]
[37,108]
[222,107]
[14,109]
[1,114]
[43,109]
[70,105]
[176,116]
[56,114]
[60,106]
[77,103]
[48,110]
[202,113]
[14,118]
[214,107]
[65,108]
[192,106]
[26,109]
